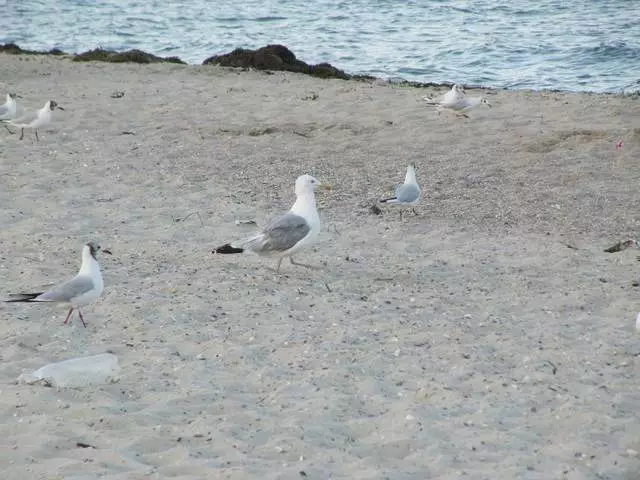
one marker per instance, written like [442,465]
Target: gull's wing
[407,193]
[67,291]
[451,96]
[280,235]
[25,120]
[4,110]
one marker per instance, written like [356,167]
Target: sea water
[586,45]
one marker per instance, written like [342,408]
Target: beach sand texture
[489,337]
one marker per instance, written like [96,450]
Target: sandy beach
[489,337]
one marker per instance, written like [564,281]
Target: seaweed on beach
[98,54]
[13,49]
[129,56]
[276,58]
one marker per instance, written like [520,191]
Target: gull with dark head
[407,194]
[35,120]
[290,232]
[81,290]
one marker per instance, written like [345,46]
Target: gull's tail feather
[389,200]
[23,297]
[227,248]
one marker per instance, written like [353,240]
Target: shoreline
[142,57]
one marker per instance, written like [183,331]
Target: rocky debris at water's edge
[271,57]
[13,49]
[98,55]
[131,56]
[275,57]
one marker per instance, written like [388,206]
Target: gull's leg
[293,262]
[68,316]
[37,135]
[400,214]
[82,318]
[8,129]
[21,134]
[278,267]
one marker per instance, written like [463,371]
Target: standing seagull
[9,108]
[81,290]
[287,234]
[36,120]
[408,193]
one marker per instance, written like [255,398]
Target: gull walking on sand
[35,120]
[457,101]
[78,292]
[290,232]
[408,193]
[9,108]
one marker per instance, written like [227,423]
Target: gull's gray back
[407,193]
[69,290]
[283,233]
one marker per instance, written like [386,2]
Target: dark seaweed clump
[13,49]
[130,56]
[276,58]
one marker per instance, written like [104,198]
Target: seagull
[9,108]
[288,233]
[36,119]
[456,92]
[81,290]
[457,101]
[408,193]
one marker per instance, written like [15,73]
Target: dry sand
[469,342]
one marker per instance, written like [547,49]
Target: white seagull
[457,101]
[35,120]
[290,232]
[81,290]
[408,193]
[9,108]
[456,92]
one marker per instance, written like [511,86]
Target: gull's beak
[59,107]
[325,186]
[107,251]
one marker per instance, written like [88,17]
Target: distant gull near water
[289,233]
[35,120]
[81,290]
[407,194]
[457,101]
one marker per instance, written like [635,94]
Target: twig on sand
[618,247]
[327,287]
[553,366]
[191,214]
